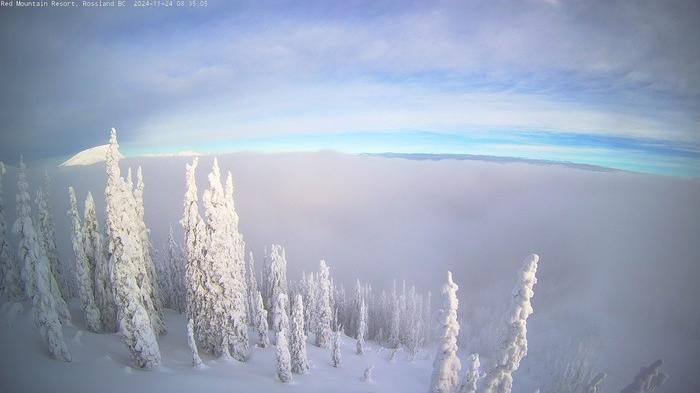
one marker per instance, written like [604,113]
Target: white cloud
[380,107]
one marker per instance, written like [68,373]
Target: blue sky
[612,83]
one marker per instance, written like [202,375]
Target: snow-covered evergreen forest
[127,306]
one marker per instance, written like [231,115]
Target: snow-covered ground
[101,363]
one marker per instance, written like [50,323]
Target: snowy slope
[101,360]
[89,156]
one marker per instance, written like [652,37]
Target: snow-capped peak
[89,156]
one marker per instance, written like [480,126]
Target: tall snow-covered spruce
[280,318]
[277,277]
[39,281]
[310,297]
[48,237]
[225,262]
[83,269]
[215,272]
[284,369]
[95,253]
[394,322]
[261,321]
[300,363]
[323,314]
[361,328]
[336,356]
[155,307]
[10,281]
[514,346]
[176,274]
[252,289]
[126,259]
[195,275]
[428,319]
[446,366]
[28,268]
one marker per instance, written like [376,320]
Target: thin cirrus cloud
[228,74]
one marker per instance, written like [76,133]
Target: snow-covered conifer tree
[83,269]
[446,366]
[144,280]
[280,319]
[197,296]
[354,314]
[176,269]
[472,376]
[61,306]
[369,304]
[310,296]
[404,317]
[34,240]
[264,277]
[129,180]
[648,379]
[224,265]
[361,328]
[214,251]
[45,228]
[196,360]
[261,321]
[428,319]
[155,306]
[395,323]
[44,312]
[284,369]
[323,307]
[10,281]
[95,254]
[339,306]
[384,313]
[39,282]
[170,274]
[239,267]
[500,378]
[414,331]
[336,358]
[411,324]
[331,300]
[126,258]
[163,276]
[300,363]
[252,289]
[23,210]
[277,276]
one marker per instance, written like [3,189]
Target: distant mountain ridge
[477,157]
